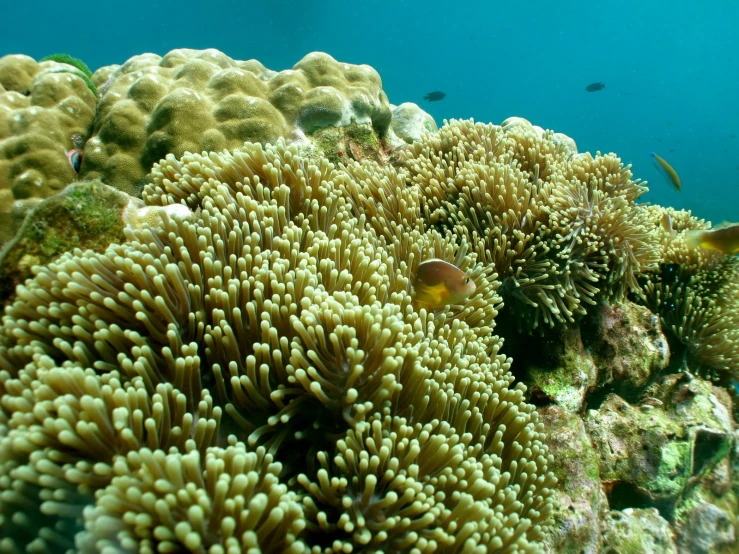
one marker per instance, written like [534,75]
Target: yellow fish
[724,238]
[438,283]
[666,169]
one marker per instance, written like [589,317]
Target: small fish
[666,169]
[723,238]
[595,87]
[435,96]
[438,283]
[75,159]
[667,224]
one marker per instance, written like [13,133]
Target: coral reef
[696,294]
[202,100]
[250,373]
[188,100]
[561,229]
[216,346]
[46,110]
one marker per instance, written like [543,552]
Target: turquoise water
[671,69]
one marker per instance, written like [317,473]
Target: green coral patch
[85,215]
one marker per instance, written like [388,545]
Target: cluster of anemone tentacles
[561,229]
[254,376]
[696,294]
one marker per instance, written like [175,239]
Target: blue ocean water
[671,68]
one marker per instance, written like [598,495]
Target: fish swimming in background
[723,238]
[75,159]
[438,283]
[435,96]
[595,87]
[666,169]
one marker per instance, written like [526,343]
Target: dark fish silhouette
[595,87]
[435,96]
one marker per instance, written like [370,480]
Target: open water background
[671,68]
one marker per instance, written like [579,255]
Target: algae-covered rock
[635,531]
[352,142]
[677,441]
[582,505]
[560,370]
[626,344]
[645,453]
[85,215]
[705,528]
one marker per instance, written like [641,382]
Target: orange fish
[666,169]
[724,238]
[438,283]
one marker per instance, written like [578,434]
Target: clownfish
[667,170]
[438,283]
[723,238]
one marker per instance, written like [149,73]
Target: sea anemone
[224,377]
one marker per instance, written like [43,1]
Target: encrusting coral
[46,110]
[250,373]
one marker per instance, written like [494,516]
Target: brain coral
[251,374]
[202,100]
[46,109]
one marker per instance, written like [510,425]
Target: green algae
[80,69]
[353,142]
[69,60]
[83,215]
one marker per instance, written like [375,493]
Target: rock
[638,531]
[410,122]
[561,371]
[705,528]
[627,346]
[84,215]
[582,503]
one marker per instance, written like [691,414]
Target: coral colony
[215,336]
